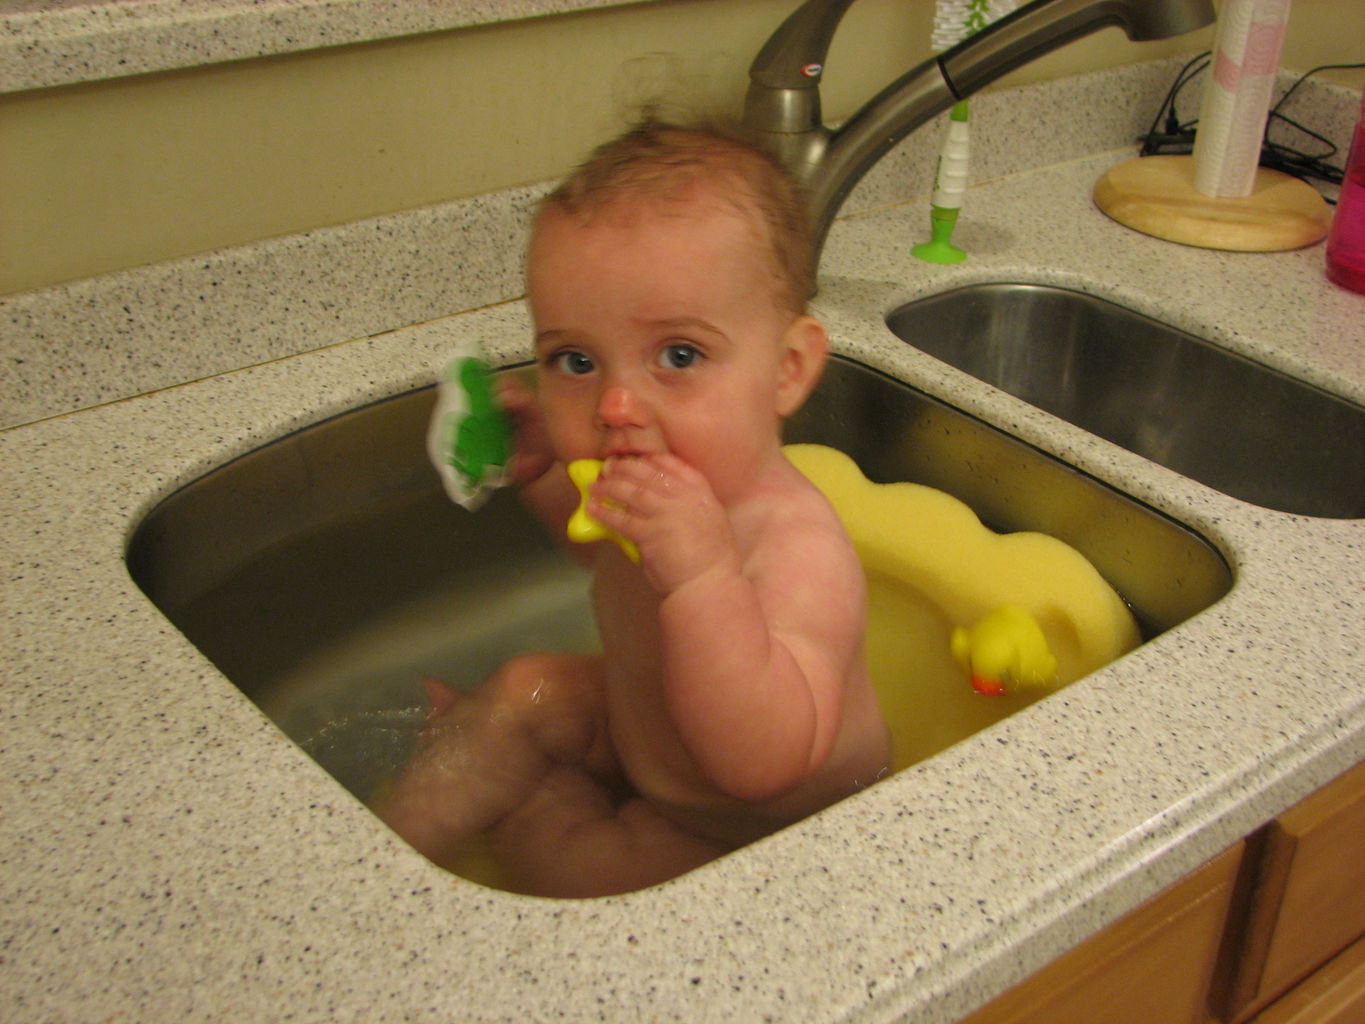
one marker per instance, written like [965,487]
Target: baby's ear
[804,349]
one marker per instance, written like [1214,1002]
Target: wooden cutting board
[1156,195]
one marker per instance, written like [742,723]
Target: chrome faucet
[782,108]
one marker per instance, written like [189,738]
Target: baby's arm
[756,651]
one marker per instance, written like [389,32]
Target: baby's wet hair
[660,160]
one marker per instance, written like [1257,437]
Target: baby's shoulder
[799,526]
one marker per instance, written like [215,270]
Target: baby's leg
[482,755]
[570,838]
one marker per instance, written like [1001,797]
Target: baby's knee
[528,680]
[559,700]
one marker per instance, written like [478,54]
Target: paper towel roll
[1236,101]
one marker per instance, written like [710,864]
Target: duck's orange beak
[988,687]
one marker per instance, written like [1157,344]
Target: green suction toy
[949,183]
[954,21]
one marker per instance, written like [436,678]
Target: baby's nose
[620,406]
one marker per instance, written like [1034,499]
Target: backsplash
[117,335]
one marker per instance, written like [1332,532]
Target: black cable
[1288,157]
[1160,142]
[1313,71]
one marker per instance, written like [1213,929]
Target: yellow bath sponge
[931,568]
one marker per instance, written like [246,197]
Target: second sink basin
[1215,417]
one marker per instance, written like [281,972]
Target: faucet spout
[782,108]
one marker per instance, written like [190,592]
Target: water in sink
[356,705]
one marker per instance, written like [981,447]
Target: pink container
[1346,240]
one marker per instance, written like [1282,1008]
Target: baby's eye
[574,363]
[678,356]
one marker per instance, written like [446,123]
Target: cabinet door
[1310,899]
[1152,965]
[1333,994]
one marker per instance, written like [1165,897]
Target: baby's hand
[532,456]
[671,514]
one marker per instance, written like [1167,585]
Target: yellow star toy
[583,528]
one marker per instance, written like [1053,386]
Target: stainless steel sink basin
[1239,427]
[326,573]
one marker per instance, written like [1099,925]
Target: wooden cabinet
[1153,965]
[1309,902]
[1272,931]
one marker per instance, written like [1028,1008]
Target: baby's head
[668,280]
[667,166]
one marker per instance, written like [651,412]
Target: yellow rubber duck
[1005,649]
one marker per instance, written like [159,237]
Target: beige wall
[114,174]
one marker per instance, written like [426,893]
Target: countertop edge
[56,44]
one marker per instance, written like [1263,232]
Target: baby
[667,281]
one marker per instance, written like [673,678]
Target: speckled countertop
[166,854]
[57,42]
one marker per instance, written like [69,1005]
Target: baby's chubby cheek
[569,440]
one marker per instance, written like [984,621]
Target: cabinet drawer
[1152,965]
[1310,899]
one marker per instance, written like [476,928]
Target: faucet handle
[794,55]
[782,106]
